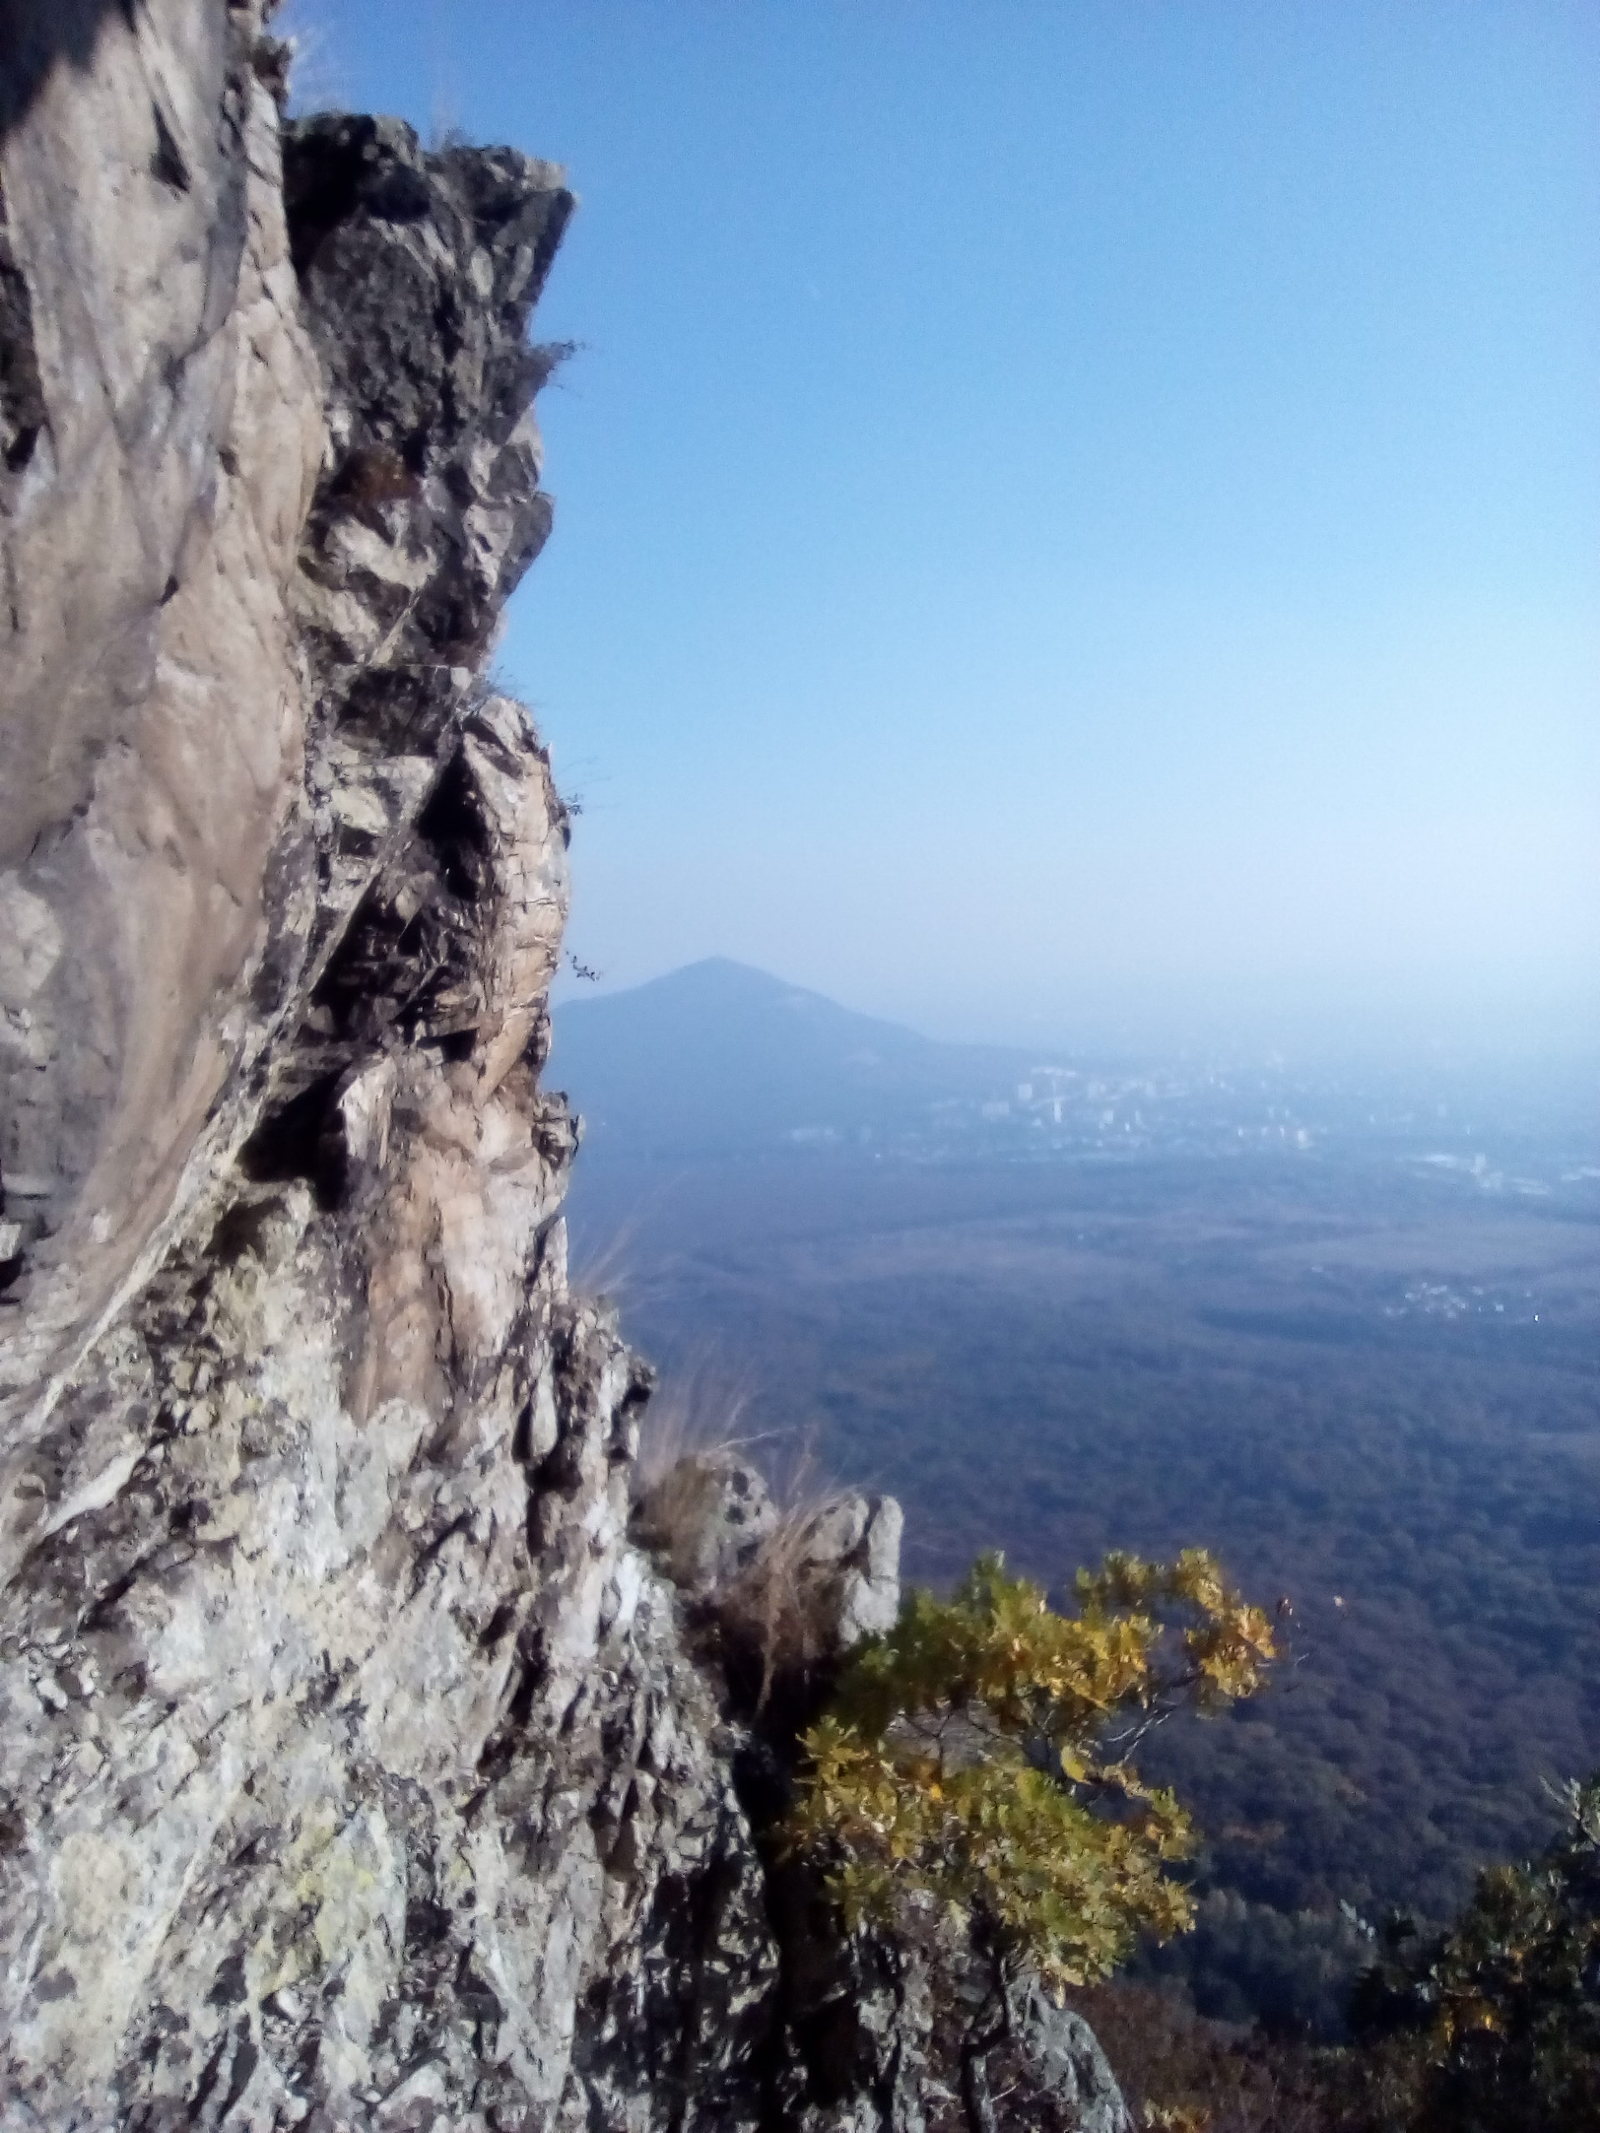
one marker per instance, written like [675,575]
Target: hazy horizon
[1316,1027]
[1065,517]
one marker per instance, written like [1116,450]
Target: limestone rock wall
[351,1771]
[162,435]
[354,1770]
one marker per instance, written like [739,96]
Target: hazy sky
[1064,505]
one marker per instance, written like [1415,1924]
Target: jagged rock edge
[355,1771]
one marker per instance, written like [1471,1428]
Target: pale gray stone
[354,1769]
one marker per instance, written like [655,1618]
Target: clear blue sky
[1067,507]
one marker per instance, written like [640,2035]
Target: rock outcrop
[354,1766]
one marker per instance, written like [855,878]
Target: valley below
[1363,1372]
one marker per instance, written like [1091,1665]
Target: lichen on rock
[355,1769]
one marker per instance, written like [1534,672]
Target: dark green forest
[1373,1395]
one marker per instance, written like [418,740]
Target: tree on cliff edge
[976,1761]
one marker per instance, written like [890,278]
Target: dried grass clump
[780,1615]
[698,1416]
[749,1536]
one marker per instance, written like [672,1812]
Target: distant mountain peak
[719,1053]
[725,975]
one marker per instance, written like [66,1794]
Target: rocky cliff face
[354,1767]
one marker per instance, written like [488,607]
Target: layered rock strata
[354,1770]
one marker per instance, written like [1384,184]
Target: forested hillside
[1300,1365]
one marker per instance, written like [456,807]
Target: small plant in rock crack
[979,1755]
[547,357]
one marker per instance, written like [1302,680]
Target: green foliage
[1494,2025]
[1055,1370]
[978,1755]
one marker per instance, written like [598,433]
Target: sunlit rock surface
[353,1767]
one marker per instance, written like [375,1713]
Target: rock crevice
[354,1766]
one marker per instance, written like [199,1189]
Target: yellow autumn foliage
[979,1755]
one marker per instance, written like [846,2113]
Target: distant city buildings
[1064,1113]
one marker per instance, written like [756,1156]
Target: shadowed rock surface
[354,1770]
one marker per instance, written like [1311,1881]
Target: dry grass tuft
[782,1611]
[738,1520]
[699,1415]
